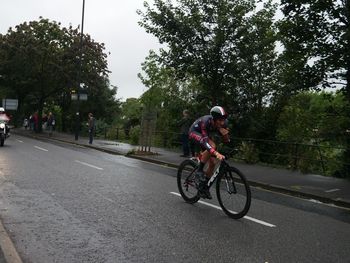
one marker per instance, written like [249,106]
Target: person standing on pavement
[25,123]
[184,125]
[91,125]
[36,121]
[51,123]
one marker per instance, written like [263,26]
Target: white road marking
[245,217]
[90,165]
[315,201]
[19,141]
[106,198]
[42,149]
[332,190]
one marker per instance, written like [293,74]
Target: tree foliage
[316,35]
[226,47]
[39,64]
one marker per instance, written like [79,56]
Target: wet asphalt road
[63,203]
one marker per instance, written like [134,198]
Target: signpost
[82,96]
[10,104]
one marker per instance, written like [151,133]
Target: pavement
[330,190]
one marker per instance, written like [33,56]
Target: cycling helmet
[218,112]
[2,110]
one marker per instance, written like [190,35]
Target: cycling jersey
[200,129]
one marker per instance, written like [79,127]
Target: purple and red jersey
[199,132]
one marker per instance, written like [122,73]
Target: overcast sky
[113,22]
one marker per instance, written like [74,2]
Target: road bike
[232,189]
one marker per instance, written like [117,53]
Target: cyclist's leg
[211,166]
[211,161]
[201,179]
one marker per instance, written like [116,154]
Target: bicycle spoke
[186,181]
[233,194]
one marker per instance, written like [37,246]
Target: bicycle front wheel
[233,193]
[186,181]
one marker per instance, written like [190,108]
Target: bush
[249,152]
[101,127]
[116,133]
[135,135]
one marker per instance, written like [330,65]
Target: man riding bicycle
[200,133]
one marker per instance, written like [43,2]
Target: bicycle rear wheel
[233,193]
[186,181]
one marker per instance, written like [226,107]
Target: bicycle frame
[215,174]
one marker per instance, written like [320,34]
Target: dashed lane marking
[332,190]
[19,141]
[245,217]
[90,165]
[42,149]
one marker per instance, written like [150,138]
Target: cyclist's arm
[205,141]
[205,138]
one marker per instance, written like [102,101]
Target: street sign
[10,104]
[82,96]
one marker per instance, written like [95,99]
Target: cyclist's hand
[219,156]
[223,131]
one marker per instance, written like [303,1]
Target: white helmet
[2,109]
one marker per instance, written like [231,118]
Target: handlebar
[230,153]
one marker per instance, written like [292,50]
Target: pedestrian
[25,123]
[184,125]
[91,125]
[31,123]
[36,122]
[51,123]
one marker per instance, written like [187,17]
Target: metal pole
[77,117]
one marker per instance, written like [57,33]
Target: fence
[317,156]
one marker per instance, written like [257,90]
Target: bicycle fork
[230,184]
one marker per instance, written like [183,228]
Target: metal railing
[316,156]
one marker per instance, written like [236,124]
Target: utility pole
[77,117]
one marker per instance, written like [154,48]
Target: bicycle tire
[230,192]
[186,181]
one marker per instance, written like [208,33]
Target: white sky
[113,22]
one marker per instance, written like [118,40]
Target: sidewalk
[324,189]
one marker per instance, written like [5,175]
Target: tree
[31,61]
[309,118]
[131,114]
[167,96]
[39,63]
[317,34]
[227,47]
[195,33]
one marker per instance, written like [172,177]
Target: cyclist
[200,133]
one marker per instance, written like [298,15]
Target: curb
[270,187]
[7,247]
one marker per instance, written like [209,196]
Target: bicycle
[232,187]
